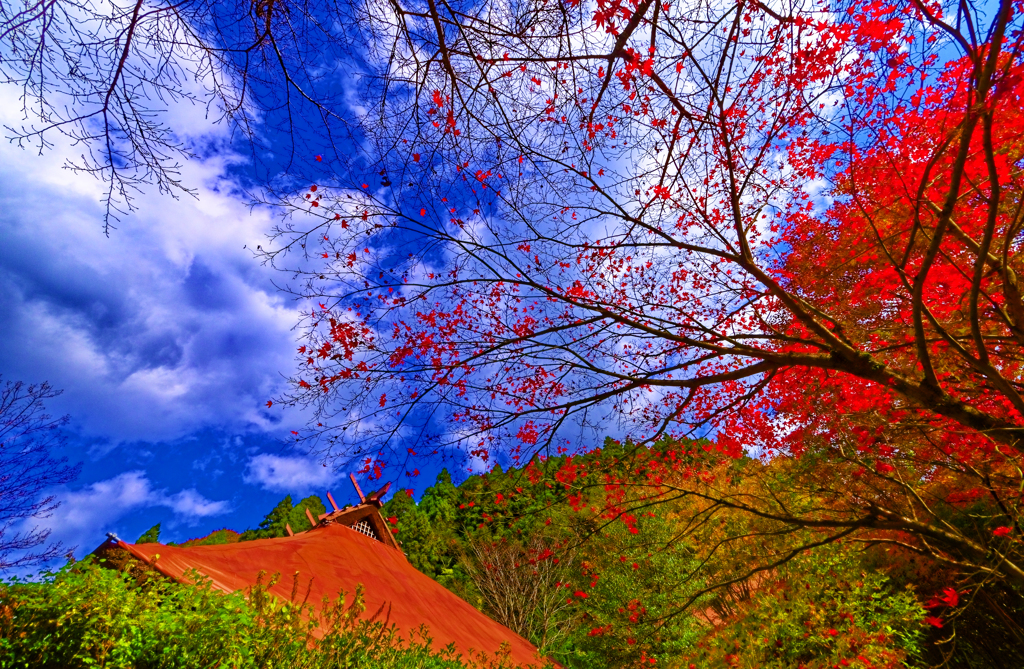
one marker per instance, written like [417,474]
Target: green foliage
[444,534]
[822,609]
[89,616]
[430,534]
[273,523]
[297,516]
[626,589]
[150,536]
[630,573]
[440,501]
[215,538]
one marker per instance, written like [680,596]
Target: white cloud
[291,474]
[167,326]
[191,504]
[86,515]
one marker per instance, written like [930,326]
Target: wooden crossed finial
[359,491]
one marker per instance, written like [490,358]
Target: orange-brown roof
[338,558]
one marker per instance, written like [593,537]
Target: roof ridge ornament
[363,518]
[359,490]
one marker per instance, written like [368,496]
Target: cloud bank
[90,512]
[166,326]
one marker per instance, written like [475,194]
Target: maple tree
[764,223]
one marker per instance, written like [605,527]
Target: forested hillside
[626,556]
[631,556]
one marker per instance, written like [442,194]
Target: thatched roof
[344,548]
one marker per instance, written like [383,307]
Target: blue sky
[167,339]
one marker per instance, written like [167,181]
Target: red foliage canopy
[766,222]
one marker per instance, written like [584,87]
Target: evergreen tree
[273,523]
[150,536]
[429,532]
[441,500]
[399,505]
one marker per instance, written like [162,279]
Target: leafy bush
[88,616]
[624,592]
[824,610]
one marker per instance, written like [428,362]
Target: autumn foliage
[792,229]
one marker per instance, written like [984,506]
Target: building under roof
[343,548]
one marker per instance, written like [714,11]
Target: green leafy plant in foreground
[85,615]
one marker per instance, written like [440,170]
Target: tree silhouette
[28,438]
